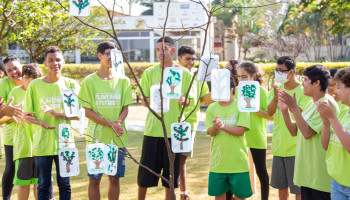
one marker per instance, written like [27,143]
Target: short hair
[11,58]
[167,39]
[333,71]
[185,49]
[251,68]
[52,49]
[32,70]
[318,73]
[105,45]
[288,61]
[343,75]
[233,85]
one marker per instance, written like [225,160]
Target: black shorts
[154,155]
[311,194]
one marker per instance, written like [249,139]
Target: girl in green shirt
[335,137]
[256,135]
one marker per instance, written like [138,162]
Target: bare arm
[303,126]
[292,127]
[143,101]
[325,135]
[271,108]
[124,113]
[264,114]
[213,131]
[206,99]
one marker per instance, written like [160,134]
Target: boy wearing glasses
[283,144]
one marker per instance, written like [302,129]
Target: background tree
[7,24]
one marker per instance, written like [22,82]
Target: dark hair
[52,49]
[343,75]
[105,45]
[167,39]
[333,71]
[251,68]
[318,73]
[32,70]
[234,64]
[288,61]
[11,58]
[185,49]
[233,85]
[2,67]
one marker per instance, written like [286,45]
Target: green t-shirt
[195,93]
[337,158]
[256,135]
[342,106]
[283,143]
[228,152]
[109,98]
[40,93]
[22,143]
[6,86]
[310,165]
[153,126]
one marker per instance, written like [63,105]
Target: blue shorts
[120,166]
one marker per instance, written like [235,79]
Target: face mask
[281,77]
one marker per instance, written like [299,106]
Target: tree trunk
[68,167]
[248,102]
[181,145]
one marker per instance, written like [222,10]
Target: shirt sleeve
[28,100]
[209,117]
[243,120]
[85,94]
[263,98]
[4,89]
[127,94]
[145,85]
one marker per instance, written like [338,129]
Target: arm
[265,114]
[144,103]
[213,131]
[292,127]
[342,135]
[124,113]
[206,99]
[271,108]
[57,114]
[325,135]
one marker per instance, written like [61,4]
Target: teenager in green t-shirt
[332,89]
[229,170]
[256,135]
[154,152]
[336,139]
[186,58]
[43,96]
[13,69]
[283,143]
[104,93]
[310,166]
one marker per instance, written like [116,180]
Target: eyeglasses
[281,71]
[108,54]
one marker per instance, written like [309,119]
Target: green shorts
[237,183]
[25,166]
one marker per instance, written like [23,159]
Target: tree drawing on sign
[116,62]
[96,155]
[180,134]
[249,92]
[173,80]
[69,101]
[65,134]
[68,158]
[111,156]
[81,4]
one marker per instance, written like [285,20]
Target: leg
[9,173]
[168,194]
[183,173]
[283,194]
[259,158]
[35,191]
[43,168]
[94,188]
[229,195]
[51,190]
[114,188]
[298,197]
[23,192]
[142,193]
[337,191]
[62,182]
[289,163]
[221,197]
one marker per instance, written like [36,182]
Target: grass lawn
[197,173]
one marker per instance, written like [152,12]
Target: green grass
[197,173]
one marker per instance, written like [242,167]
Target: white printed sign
[156,100]
[95,158]
[65,136]
[111,155]
[117,62]
[181,139]
[172,82]
[220,85]
[68,159]
[248,96]
[70,103]
[80,7]
[207,64]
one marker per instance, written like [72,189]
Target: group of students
[310,142]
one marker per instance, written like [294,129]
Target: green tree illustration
[69,101]
[81,4]
[65,134]
[68,158]
[112,156]
[173,80]
[116,62]
[249,92]
[96,155]
[179,135]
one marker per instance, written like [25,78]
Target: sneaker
[185,197]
